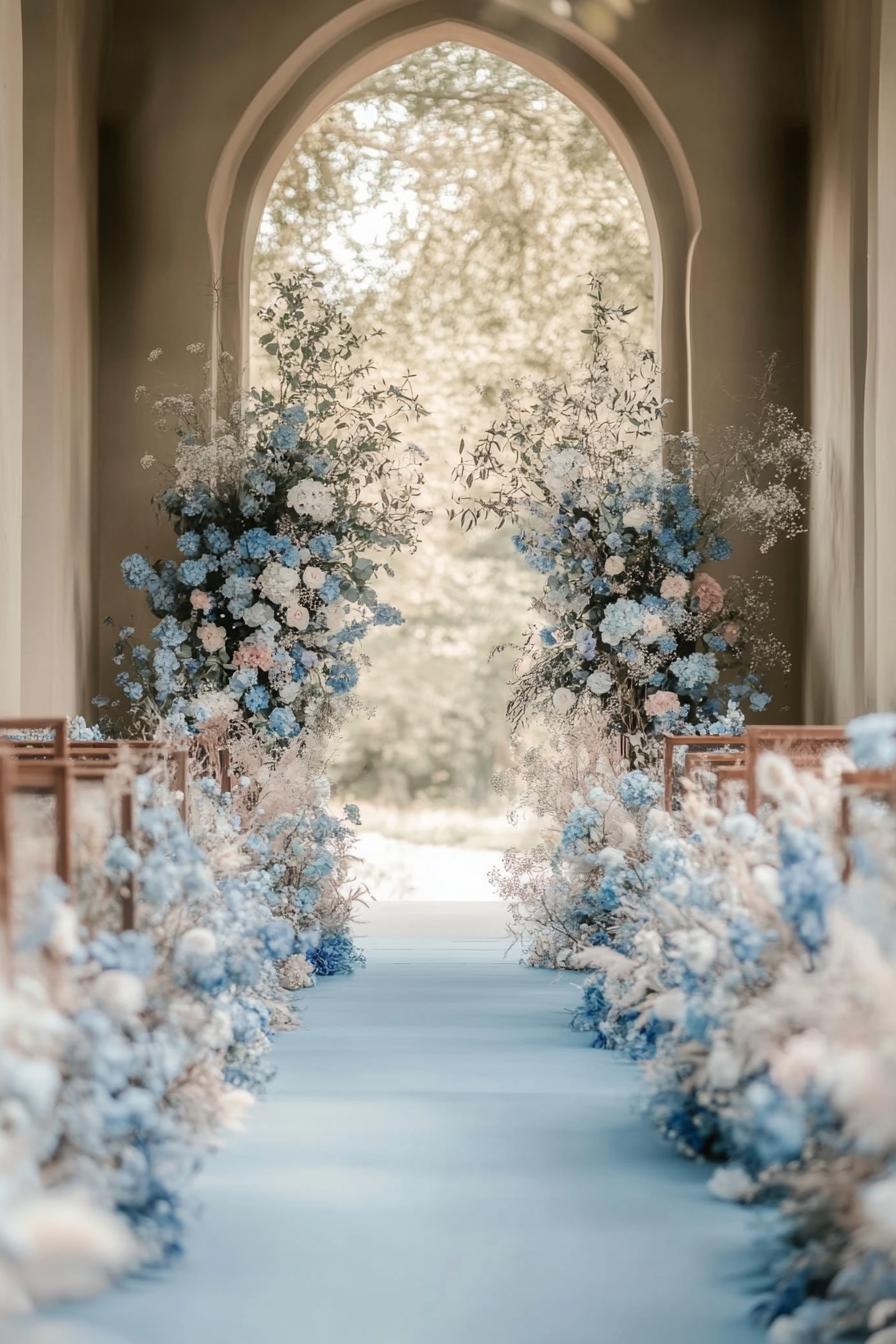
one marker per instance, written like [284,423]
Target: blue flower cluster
[278,553]
[639,626]
[757,978]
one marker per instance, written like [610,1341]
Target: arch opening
[457,203]
[371,34]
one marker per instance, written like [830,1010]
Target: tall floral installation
[624,520]
[127,1052]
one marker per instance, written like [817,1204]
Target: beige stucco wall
[851,655]
[726,76]
[62,44]
[880,683]
[10,352]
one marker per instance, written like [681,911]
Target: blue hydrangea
[330,588]
[189,544]
[586,644]
[193,573]
[695,672]
[136,571]
[257,698]
[169,633]
[387,615]
[282,722]
[622,619]
[217,539]
[637,790]
[323,545]
[256,544]
[342,677]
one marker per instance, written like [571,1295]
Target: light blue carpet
[442,1161]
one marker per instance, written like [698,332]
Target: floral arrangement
[304,852]
[755,982]
[126,1055]
[624,521]
[285,504]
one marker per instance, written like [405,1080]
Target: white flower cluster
[312,499]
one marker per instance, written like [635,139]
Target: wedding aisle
[442,1160]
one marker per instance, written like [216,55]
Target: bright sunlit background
[457,204]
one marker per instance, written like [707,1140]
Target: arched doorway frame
[373,34]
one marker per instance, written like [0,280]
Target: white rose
[335,616]
[614,564]
[297,616]
[212,637]
[313,578]
[277,583]
[564,700]
[599,683]
[312,499]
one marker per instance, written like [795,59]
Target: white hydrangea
[635,517]
[564,700]
[258,614]
[214,705]
[614,564]
[335,616]
[278,583]
[599,683]
[312,499]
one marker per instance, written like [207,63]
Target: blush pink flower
[662,702]
[212,637]
[200,601]
[730,632]
[250,654]
[709,594]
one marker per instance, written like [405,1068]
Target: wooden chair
[726,768]
[29,734]
[879,784]
[804,745]
[698,743]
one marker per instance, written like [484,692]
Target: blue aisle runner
[442,1161]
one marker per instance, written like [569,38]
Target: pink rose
[200,601]
[708,593]
[730,632]
[661,702]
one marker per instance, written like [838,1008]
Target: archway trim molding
[370,35]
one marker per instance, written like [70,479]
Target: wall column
[880,385]
[851,644]
[11,158]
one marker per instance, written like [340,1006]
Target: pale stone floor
[442,1161]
